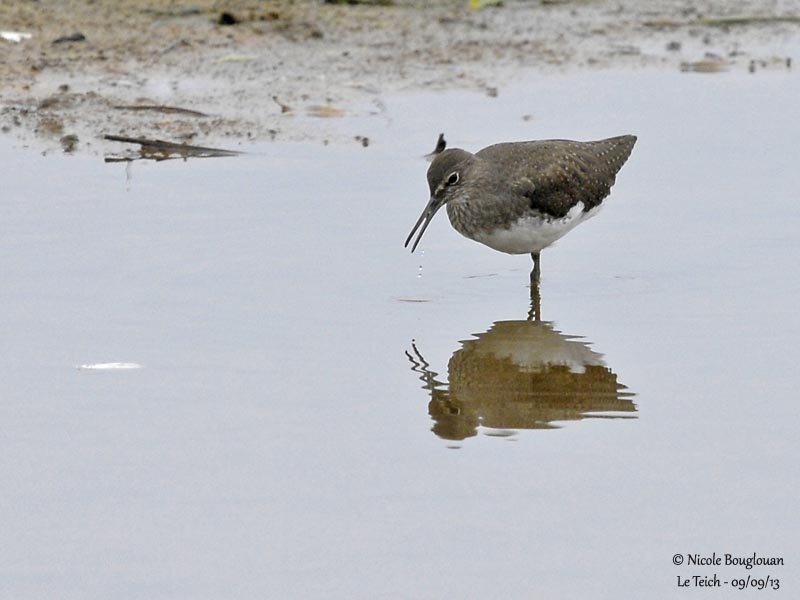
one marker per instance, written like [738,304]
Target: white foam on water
[109,366]
[15,36]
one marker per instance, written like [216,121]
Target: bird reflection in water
[520,375]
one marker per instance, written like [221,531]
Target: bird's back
[557,174]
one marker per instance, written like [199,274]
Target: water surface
[320,414]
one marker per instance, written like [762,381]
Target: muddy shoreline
[209,72]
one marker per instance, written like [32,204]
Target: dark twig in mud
[284,107]
[441,144]
[367,2]
[725,21]
[73,37]
[160,150]
[706,65]
[747,20]
[173,110]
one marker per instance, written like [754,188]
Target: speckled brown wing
[556,174]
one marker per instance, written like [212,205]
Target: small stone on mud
[227,18]
[285,108]
[69,142]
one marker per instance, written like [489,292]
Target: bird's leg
[536,272]
[535,313]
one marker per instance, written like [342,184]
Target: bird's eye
[452,179]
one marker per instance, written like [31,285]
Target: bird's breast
[470,215]
[462,215]
[529,233]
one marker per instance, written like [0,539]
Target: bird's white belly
[533,233]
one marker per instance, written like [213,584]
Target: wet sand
[283,70]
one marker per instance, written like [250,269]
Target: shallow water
[320,413]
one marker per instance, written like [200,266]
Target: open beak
[434,204]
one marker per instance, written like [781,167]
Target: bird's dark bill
[424,220]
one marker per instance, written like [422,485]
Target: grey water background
[277,443]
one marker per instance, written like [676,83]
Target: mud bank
[206,71]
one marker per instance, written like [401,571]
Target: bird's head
[444,179]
